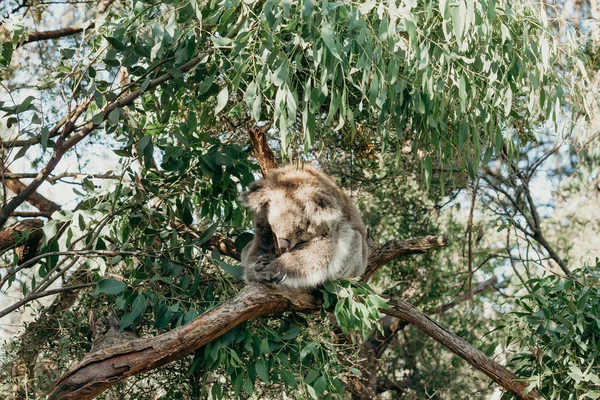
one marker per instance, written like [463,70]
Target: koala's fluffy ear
[255,197]
[323,209]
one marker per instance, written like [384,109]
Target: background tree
[131,128]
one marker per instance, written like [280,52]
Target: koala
[307,230]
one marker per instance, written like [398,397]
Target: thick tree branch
[66,141]
[503,377]
[100,370]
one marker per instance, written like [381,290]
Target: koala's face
[289,224]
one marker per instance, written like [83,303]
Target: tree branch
[35,199]
[52,179]
[503,377]
[399,248]
[58,33]
[373,347]
[35,296]
[100,370]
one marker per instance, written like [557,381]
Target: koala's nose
[284,245]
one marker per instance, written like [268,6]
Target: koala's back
[317,228]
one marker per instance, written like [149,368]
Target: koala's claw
[271,276]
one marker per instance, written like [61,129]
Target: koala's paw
[262,261]
[271,274]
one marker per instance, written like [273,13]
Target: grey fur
[318,229]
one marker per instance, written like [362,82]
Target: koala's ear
[323,209]
[255,197]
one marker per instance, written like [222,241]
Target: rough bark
[502,376]
[10,236]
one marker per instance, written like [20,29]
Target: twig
[34,296]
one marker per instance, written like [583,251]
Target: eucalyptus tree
[191,99]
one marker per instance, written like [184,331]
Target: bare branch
[35,296]
[54,178]
[58,33]
[31,214]
[470,242]
[499,374]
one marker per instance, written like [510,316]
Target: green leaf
[114,42]
[311,392]
[222,99]
[208,233]
[261,370]
[281,74]
[137,308]
[236,272]
[248,386]
[113,117]
[329,40]
[320,385]
[289,379]
[109,286]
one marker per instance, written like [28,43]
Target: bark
[502,376]
[11,237]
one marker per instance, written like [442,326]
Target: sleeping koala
[317,228]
